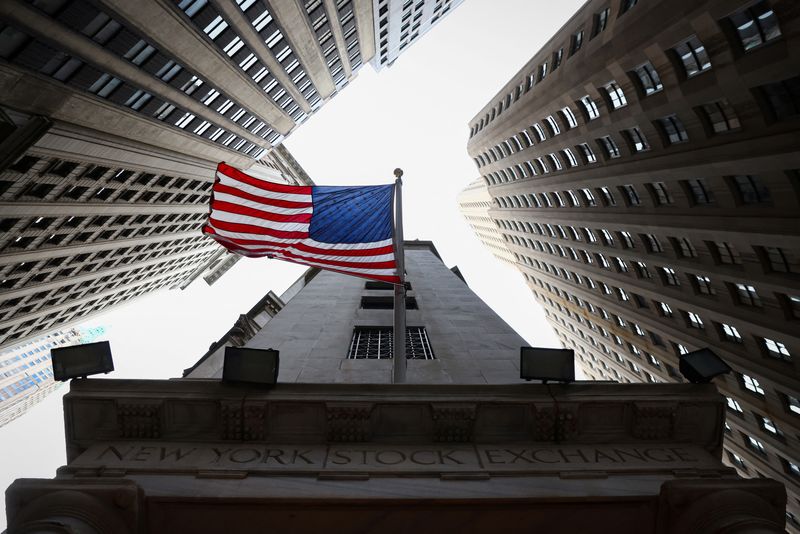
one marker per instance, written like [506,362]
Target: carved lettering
[566,455]
[649,453]
[448,455]
[177,453]
[535,456]
[243,456]
[632,453]
[380,457]
[113,450]
[491,456]
[277,454]
[301,454]
[414,458]
[340,458]
[600,455]
[682,455]
[219,453]
[144,454]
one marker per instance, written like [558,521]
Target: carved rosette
[453,422]
[555,424]
[653,422]
[139,419]
[349,422]
[231,416]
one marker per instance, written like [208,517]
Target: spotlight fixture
[538,363]
[251,366]
[81,360]
[701,366]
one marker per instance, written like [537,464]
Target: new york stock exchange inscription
[148,457]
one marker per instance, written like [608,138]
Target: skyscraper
[26,371]
[474,203]
[113,116]
[466,444]
[644,172]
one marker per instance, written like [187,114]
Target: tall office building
[26,371]
[113,116]
[474,203]
[466,445]
[645,173]
[399,23]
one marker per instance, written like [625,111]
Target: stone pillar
[722,506]
[88,506]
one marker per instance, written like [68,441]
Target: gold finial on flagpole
[398,173]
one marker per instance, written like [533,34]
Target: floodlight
[81,360]
[252,366]
[546,364]
[700,366]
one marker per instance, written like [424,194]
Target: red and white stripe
[256,218]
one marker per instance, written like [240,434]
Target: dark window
[660,193]
[631,195]
[95,173]
[615,95]
[62,168]
[673,129]
[783,98]
[775,259]
[609,146]
[750,189]
[74,192]
[377,343]
[600,21]
[756,25]
[626,5]
[589,108]
[699,192]
[7,224]
[385,303]
[725,253]
[648,78]
[637,139]
[693,56]
[24,164]
[38,190]
[721,116]
[577,42]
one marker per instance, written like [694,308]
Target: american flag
[343,229]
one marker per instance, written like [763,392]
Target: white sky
[413,115]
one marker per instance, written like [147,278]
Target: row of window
[754,26]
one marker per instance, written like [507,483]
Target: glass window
[752,384]
[577,42]
[553,125]
[725,253]
[721,116]
[750,189]
[609,146]
[699,191]
[673,129]
[734,405]
[693,55]
[649,80]
[637,139]
[783,98]
[601,21]
[589,107]
[661,193]
[587,152]
[776,349]
[615,95]
[703,285]
[756,25]
[608,198]
[670,277]
[569,117]
[731,333]
[631,195]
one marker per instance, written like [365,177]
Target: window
[747,295]
[750,189]
[609,146]
[756,25]
[673,130]
[660,193]
[385,303]
[702,285]
[736,460]
[637,139]
[552,125]
[669,276]
[775,260]
[698,191]
[751,384]
[631,196]
[569,156]
[377,342]
[694,320]
[768,426]
[569,117]
[776,349]
[576,43]
[649,81]
[601,21]
[627,240]
[730,333]
[734,405]
[558,55]
[755,445]
[589,107]
[615,95]
[721,116]
[608,198]
[782,98]
[588,155]
[692,54]
[626,5]
[792,404]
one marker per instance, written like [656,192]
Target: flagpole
[400,363]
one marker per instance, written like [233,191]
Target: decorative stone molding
[555,423]
[139,419]
[656,422]
[453,422]
[349,422]
[231,419]
[254,422]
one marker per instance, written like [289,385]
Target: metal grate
[377,343]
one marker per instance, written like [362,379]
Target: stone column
[722,506]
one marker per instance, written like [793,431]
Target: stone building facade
[465,445]
[643,167]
